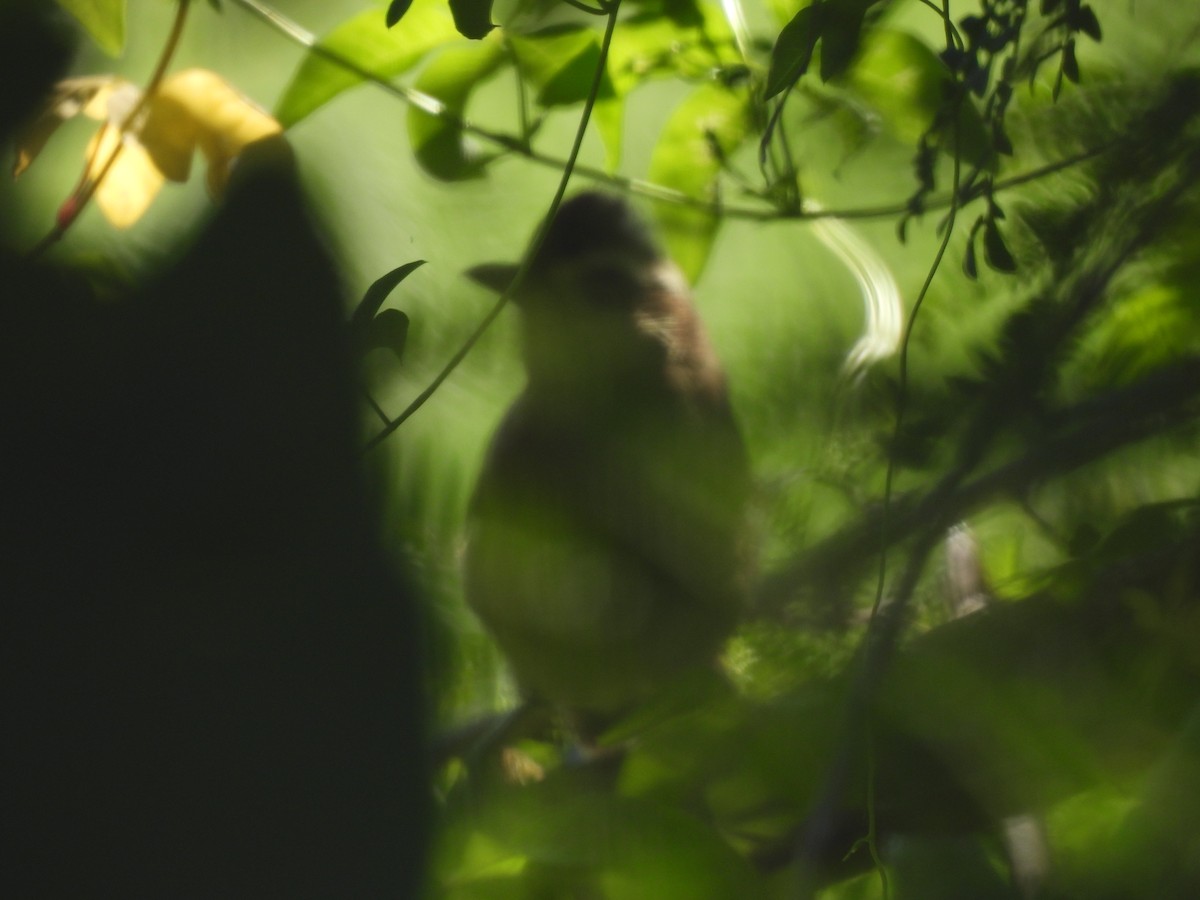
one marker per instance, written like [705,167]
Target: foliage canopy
[998,199]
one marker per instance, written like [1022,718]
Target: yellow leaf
[191,109]
[199,107]
[132,182]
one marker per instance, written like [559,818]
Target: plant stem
[88,185]
[535,244]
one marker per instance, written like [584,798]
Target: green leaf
[903,78]
[561,63]
[366,41]
[708,125]
[104,21]
[560,840]
[905,81]
[473,18]
[441,147]
[650,44]
[793,50]
[1155,326]
[837,24]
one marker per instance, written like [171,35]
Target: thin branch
[1087,432]
[86,188]
[649,190]
[494,312]
[378,410]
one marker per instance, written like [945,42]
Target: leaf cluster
[1051,402]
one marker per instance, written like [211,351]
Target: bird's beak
[495,276]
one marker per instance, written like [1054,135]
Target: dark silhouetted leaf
[395,11]
[1085,20]
[388,331]
[793,50]
[472,18]
[970,267]
[995,251]
[1000,141]
[842,28]
[378,292]
[1070,68]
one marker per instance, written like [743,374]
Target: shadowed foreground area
[209,671]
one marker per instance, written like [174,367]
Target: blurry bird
[607,552]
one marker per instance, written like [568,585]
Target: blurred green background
[784,311]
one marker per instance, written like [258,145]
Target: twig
[494,312]
[87,186]
[649,190]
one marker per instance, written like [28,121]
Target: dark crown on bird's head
[589,227]
[596,223]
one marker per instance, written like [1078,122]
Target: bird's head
[592,237]
[595,295]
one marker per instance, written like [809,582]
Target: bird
[607,552]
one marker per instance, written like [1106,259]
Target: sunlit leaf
[561,63]
[574,838]
[372,47]
[685,158]
[198,108]
[1155,326]
[132,181]
[649,44]
[193,109]
[104,20]
[906,82]
[903,78]
[440,145]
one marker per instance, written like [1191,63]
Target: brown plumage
[606,550]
